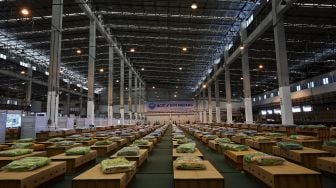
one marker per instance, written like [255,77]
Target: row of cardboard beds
[62,164]
[314,156]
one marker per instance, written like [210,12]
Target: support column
[143,102]
[110,87]
[209,104]
[204,108]
[81,102]
[122,83]
[29,89]
[136,98]
[130,94]
[246,78]
[228,96]
[140,97]
[54,65]
[200,107]
[91,72]
[218,115]
[282,66]
[67,106]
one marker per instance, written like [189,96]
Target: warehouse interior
[207,93]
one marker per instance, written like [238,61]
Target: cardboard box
[209,178]
[329,149]
[236,157]
[148,147]
[5,160]
[327,164]
[307,143]
[143,155]
[265,147]
[197,153]
[105,149]
[55,150]
[32,179]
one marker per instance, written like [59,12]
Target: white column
[204,108]
[200,107]
[91,72]
[218,115]
[282,66]
[29,89]
[130,93]
[228,95]
[122,83]
[136,98]
[110,87]
[54,65]
[140,98]
[209,104]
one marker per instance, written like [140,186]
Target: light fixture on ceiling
[180,68]
[142,69]
[241,78]
[241,47]
[175,96]
[23,72]
[78,51]
[184,49]
[153,87]
[204,86]
[101,70]
[176,87]
[117,81]
[193,6]
[261,66]
[132,50]
[25,12]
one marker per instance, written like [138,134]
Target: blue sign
[151,106]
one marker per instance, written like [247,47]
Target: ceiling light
[261,66]
[193,6]
[241,78]
[204,86]
[24,11]
[23,72]
[180,68]
[142,69]
[275,77]
[184,49]
[78,51]
[75,89]
[117,81]
[101,70]
[241,47]
[132,50]
[257,85]
[175,96]
[176,87]
[153,87]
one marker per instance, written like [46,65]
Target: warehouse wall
[165,117]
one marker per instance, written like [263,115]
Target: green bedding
[25,140]
[301,137]
[263,159]
[57,139]
[331,143]
[80,139]
[179,136]
[311,126]
[15,152]
[186,148]
[223,140]
[116,165]
[189,163]
[103,143]
[233,147]
[241,135]
[24,145]
[129,151]
[140,142]
[289,146]
[64,143]
[80,150]
[184,141]
[260,138]
[274,135]
[211,137]
[27,164]
[115,138]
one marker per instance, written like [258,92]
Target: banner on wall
[171,106]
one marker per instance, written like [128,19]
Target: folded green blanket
[15,152]
[211,136]
[57,139]
[289,146]
[184,141]
[115,138]
[24,145]
[189,163]
[186,148]
[140,142]
[179,136]
[241,135]
[233,147]
[331,143]
[80,150]
[103,142]
[260,138]
[301,137]
[223,140]
[83,139]
[27,164]
[25,140]
[129,151]
[263,159]
[116,165]
[272,135]
[64,143]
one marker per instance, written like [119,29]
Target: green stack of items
[80,150]
[179,136]
[25,140]
[289,146]
[186,148]
[23,145]
[116,165]
[184,141]
[27,164]
[223,140]
[210,137]
[331,143]
[189,163]
[64,143]
[274,135]
[140,142]
[301,137]
[103,143]
[15,152]
[261,139]
[129,151]
[311,126]
[263,159]
[233,147]
[80,139]
[57,139]
[242,135]
[115,138]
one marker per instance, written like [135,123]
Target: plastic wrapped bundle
[75,136]
[57,139]
[116,165]
[189,163]
[81,150]
[27,164]
[22,145]
[115,138]
[273,135]
[129,151]
[331,143]
[250,132]
[179,136]
[260,138]
[301,137]
[83,139]
[87,134]
[311,126]
[184,141]
[103,143]
[289,146]
[15,152]
[233,147]
[263,159]
[223,140]
[102,134]
[64,143]
[211,137]
[148,137]
[241,135]
[140,142]
[25,140]
[186,148]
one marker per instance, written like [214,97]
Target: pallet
[102,138]
[236,157]
[197,153]
[94,177]
[175,144]
[215,146]
[32,179]
[55,150]
[287,175]
[149,146]
[103,151]
[121,142]
[265,147]
[307,156]
[238,140]
[329,149]
[75,161]
[317,144]
[5,160]
[140,159]
[209,178]
[327,164]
